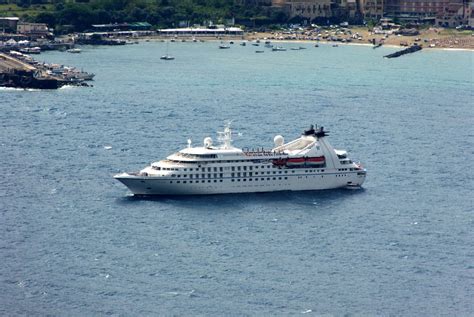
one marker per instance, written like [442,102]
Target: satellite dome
[207,142]
[278,140]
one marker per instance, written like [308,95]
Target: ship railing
[262,152]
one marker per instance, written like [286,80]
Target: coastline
[250,38]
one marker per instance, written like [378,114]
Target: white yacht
[307,163]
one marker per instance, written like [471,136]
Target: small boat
[224,46]
[74,50]
[167,57]
[255,44]
[243,44]
[231,42]
[335,45]
[295,48]
[31,50]
[260,51]
[302,48]
[316,45]
[278,49]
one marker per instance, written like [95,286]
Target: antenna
[225,137]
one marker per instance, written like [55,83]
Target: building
[309,9]
[8,24]
[347,10]
[136,26]
[38,29]
[218,31]
[372,9]
[455,13]
[448,13]
[470,14]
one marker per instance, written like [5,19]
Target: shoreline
[252,38]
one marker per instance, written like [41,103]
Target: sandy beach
[432,38]
[429,38]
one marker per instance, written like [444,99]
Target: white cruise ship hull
[148,185]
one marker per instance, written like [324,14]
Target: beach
[429,38]
[433,38]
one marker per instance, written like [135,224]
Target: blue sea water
[74,242]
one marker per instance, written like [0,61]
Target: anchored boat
[306,163]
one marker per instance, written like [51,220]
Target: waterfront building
[447,13]
[348,8]
[136,26]
[372,9]
[309,9]
[470,14]
[218,31]
[8,24]
[33,30]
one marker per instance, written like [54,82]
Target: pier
[411,49]
[19,70]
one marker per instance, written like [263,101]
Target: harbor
[18,70]
[77,243]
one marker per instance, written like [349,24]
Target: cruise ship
[306,163]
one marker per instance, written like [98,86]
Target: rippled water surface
[73,241]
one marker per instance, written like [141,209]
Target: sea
[75,242]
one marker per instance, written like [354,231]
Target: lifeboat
[296,161]
[279,162]
[315,161]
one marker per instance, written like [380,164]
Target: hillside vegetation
[69,16]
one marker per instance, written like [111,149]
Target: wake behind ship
[306,163]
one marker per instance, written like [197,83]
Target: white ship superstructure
[307,163]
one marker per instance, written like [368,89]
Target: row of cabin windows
[256,179]
[233,180]
[346,162]
[221,175]
[196,182]
[244,174]
[346,169]
[215,169]
[221,162]
[238,180]
[209,169]
[238,174]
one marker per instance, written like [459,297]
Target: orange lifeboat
[296,161]
[315,161]
[279,162]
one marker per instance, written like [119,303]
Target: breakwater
[411,49]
